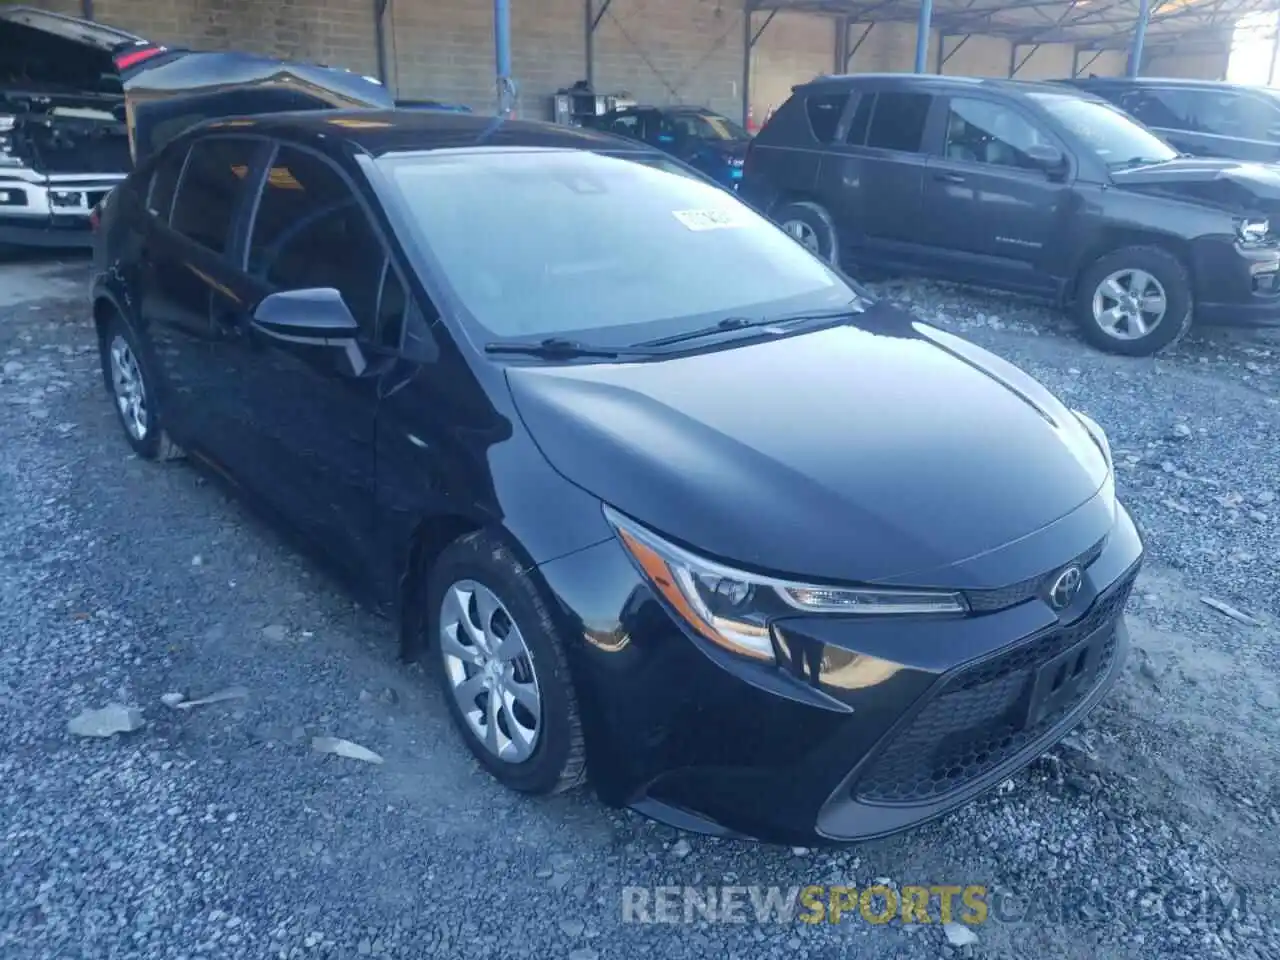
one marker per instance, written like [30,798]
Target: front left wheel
[133,393]
[1135,302]
[502,667]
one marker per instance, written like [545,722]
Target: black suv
[1029,187]
[1203,117]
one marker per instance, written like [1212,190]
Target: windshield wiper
[560,348]
[743,323]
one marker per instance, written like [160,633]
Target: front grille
[972,723]
[1001,598]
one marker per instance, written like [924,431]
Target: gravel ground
[219,832]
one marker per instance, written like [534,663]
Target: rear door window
[898,121]
[825,110]
[856,135]
[212,185]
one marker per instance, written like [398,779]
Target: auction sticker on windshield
[711,219]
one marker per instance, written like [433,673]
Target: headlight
[1100,438]
[733,609]
[7,125]
[1253,230]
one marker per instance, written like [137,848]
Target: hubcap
[1129,304]
[129,390]
[490,671]
[802,232]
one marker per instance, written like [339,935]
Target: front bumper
[1237,285]
[810,751]
[40,210]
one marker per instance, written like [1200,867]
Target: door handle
[948,177]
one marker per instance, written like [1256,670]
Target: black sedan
[668,503]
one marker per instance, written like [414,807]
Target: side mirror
[1048,158]
[317,317]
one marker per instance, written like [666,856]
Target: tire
[125,362]
[811,226]
[555,760]
[1107,274]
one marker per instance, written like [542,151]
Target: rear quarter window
[824,111]
[790,125]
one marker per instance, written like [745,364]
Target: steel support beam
[755,37]
[840,57]
[1014,63]
[862,38]
[1139,35]
[86,9]
[750,38]
[502,56]
[1077,67]
[379,36]
[944,54]
[923,26]
[747,43]
[591,20]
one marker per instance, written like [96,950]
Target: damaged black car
[1028,187]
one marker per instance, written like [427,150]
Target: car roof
[379,132]
[937,83]
[1168,82]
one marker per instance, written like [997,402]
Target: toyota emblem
[1065,588]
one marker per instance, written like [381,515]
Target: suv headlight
[734,609]
[1253,230]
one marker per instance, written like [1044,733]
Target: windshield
[708,126]
[1117,139]
[611,249]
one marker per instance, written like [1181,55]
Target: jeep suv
[1035,188]
[1201,117]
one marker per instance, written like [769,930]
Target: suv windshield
[608,248]
[1118,140]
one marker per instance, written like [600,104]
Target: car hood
[1228,184]
[174,91]
[862,452]
[61,54]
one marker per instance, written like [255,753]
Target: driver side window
[309,231]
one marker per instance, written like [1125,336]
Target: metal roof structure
[1189,25]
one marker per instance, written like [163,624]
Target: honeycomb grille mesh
[971,724]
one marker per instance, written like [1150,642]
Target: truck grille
[972,724]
